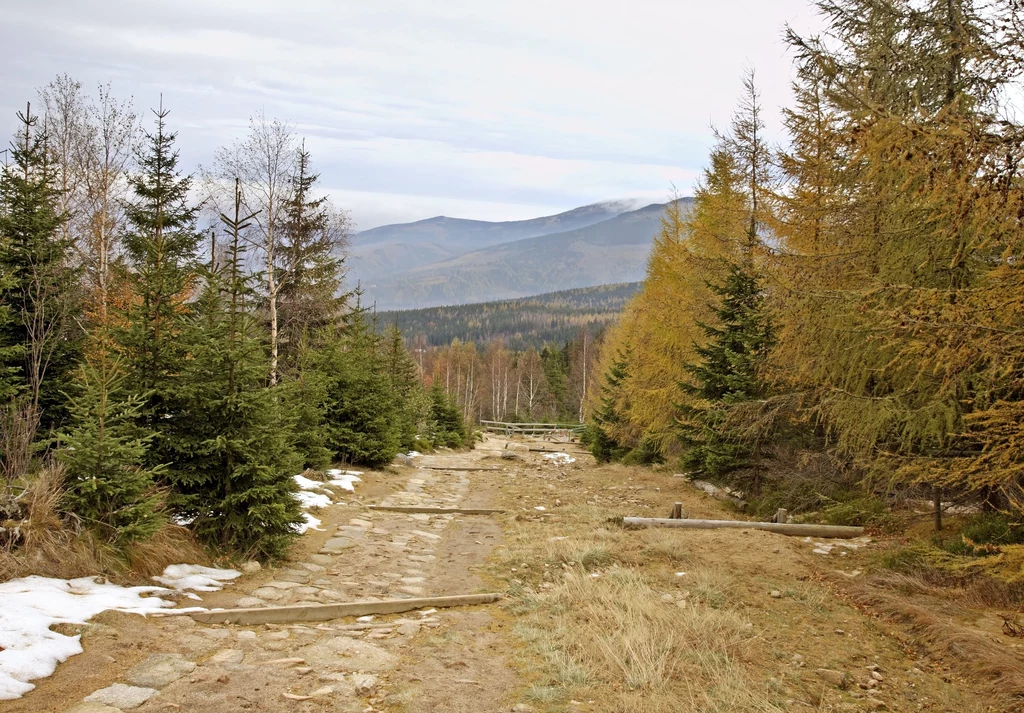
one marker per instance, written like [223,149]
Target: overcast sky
[488,109]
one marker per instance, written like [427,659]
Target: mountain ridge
[613,250]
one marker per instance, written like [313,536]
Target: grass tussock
[47,542]
[603,616]
[906,600]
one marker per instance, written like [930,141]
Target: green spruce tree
[161,268]
[233,455]
[446,425]
[410,403]
[361,410]
[38,340]
[108,486]
[730,371]
[604,447]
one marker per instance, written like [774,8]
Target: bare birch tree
[264,162]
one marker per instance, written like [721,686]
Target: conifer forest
[175,347]
[847,306]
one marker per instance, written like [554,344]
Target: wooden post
[782,516]
[677,512]
[937,498]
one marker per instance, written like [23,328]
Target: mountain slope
[393,248]
[552,318]
[612,251]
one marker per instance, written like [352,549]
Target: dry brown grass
[911,602]
[51,545]
[602,610]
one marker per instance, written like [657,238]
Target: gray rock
[364,683]
[250,567]
[294,575]
[160,670]
[510,455]
[271,594]
[91,708]
[250,602]
[350,654]
[839,679]
[122,696]
[337,544]
[228,656]
[323,560]
[409,629]
[309,566]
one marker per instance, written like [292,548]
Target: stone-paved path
[364,665]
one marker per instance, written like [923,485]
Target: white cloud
[539,103]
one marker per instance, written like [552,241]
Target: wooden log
[777,527]
[326,612]
[458,468]
[436,511]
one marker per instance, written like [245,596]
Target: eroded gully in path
[450,659]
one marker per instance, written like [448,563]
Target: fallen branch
[326,612]
[436,511]
[777,527]
[720,493]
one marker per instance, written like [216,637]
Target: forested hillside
[553,318]
[174,348]
[847,307]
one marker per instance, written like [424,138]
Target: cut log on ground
[841,531]
[458,468]
[326,612]
[436,511]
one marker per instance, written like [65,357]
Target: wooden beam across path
[436,511]
[326,612]
[841,531]
[459,468]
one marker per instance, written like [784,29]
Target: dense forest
[175,348]
[849,307]
[553,318]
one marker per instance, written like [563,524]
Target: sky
[483,109]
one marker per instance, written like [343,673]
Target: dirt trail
[794,618]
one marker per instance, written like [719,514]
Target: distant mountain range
[447,261]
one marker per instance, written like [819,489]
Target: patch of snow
[365,619]
[307,484]
[29,649]
[540,507]
[559,458]
[414,454]
[193,576]
[312,500]
[182,520]
[311,523]
[680,574]
[345,479]
[335,472]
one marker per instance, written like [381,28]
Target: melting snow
[29,649]
[559,458]
[193,576]
[311,523]
[312,500]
